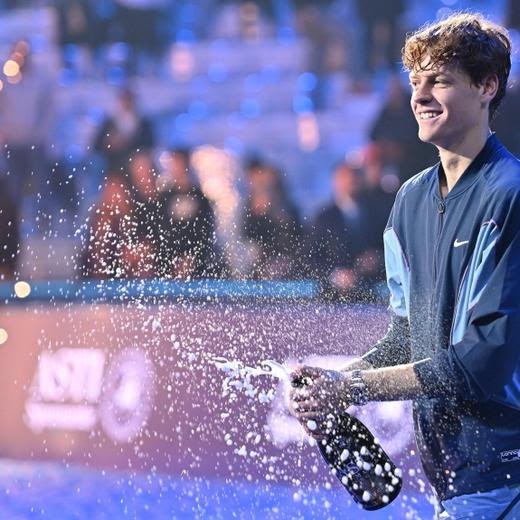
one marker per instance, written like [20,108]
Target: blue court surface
[48,490]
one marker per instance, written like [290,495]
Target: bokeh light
[11,68]
[22,289]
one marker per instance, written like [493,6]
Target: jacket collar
[472,172]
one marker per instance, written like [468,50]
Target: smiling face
[448,107]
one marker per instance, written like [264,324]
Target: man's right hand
[318,397]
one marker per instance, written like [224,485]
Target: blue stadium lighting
[116,76]
[39,43]
[253,83]
[270,74]
[250,108]
[444,12]
[66,77]
[198,109]
[302,104]
[186,36]
[217,72]
[235,145]
[70,52]
[307,81]
[183,122]
[119,51]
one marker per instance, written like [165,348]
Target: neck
[458,156]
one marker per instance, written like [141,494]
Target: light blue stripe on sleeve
[475,279]
[397,274]
[510,394]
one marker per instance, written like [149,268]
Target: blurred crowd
[362,35]
[173,212]
[156,221]
[154,217]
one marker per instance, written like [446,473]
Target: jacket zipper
[441,209]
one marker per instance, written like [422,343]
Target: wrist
[357,364]
[357,388]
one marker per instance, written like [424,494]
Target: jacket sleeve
[482,361]
[394,347]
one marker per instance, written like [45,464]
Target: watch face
[358,391]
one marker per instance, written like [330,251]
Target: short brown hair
[469,41]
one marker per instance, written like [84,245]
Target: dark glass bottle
[361,464]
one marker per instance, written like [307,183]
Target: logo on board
[78,388]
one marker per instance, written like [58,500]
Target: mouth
[429,115]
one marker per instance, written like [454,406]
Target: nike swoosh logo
[459,243]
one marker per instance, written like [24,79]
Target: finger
[316,432]
[320,438]
[301,396]
[305,374]
[317,423]
[313,391]
[308,371]
[313,415]
[309,406]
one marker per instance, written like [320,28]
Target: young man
[452,256]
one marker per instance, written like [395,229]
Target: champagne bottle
[361,464]
[358,461]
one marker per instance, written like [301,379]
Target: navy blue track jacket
[453,269]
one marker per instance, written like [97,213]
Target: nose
[421,94]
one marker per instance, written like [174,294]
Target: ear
[489,88]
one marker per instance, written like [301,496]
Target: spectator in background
[127,224]
[395,133]
[9,234]
[146,233]
[271,224]
[106,252]
[382,32]
[123,132]
[125,236]
[74,28]
[26,120]
[380,186]
[377,196]
[140,23]
[327,54]
[340,253]
[188,246]
[242,19]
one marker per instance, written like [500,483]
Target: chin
[425,137]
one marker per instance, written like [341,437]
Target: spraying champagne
[359,462]
[350,450]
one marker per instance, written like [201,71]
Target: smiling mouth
[426,116]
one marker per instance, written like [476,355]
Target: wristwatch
[358,391]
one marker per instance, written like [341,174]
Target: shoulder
[503,176]
[418,184]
